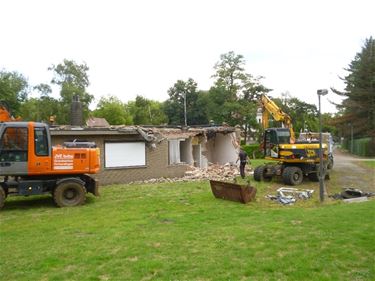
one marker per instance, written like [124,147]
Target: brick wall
[156,161]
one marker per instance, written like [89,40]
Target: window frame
[45,141]
[110,163]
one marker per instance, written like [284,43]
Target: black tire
[292,175]
[258,173]
[330,163]
[2,197]
[69,194]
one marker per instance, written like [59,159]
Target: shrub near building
[253,150]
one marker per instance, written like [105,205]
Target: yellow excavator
[293,159]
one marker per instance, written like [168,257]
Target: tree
[147,112]
[113,110]
[42,108]
[358,106]
[304,115]
[14,89]
[73,79]
[230,73]
[235,93]
[174,106]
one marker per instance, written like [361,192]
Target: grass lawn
[370,164]
[179,231]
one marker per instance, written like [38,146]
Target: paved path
[351,173]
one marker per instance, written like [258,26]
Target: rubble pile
[216,172]
[213,172]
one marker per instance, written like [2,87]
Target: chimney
[76,113]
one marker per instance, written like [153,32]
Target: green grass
[370,164]
[179,231]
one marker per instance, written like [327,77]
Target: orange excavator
[30,165]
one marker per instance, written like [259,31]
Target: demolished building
[134,153]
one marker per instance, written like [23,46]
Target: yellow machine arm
[269,107]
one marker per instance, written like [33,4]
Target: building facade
[130,153]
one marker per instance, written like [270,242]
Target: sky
[143,47]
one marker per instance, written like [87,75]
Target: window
[124,154]
[283,136]
[41,144]
[180,151]
[174,152]
[13,146]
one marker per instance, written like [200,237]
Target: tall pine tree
[358,107]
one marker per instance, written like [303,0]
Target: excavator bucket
[233,192]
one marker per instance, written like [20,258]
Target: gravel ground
[352,173]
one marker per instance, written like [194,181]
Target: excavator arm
[269,107]
[5,115]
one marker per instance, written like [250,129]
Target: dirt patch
[349,172]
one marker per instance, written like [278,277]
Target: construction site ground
[351,171]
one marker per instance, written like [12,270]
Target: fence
[362,147]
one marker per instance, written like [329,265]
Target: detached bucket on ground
[233,192]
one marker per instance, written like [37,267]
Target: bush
[253,150]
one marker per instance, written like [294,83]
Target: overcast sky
[143,47]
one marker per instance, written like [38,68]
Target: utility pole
[351,138]
[185,109]
[322,92]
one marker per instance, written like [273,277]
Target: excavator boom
[269,107]
[5,115]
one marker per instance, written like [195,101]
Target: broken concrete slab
[356,200]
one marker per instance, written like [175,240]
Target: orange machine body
[30,165]
[26,150]
[61,160]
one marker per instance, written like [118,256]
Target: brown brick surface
[156,161]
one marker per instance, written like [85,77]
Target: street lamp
[322,92]
[185,109]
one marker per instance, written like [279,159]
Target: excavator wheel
[330,163]
[2,197]
[259,174]
[292,175]
[69,194]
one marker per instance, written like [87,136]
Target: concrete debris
[214,172]
[356,200]
[286,200]
[294,194]
[349,193]
[227,172]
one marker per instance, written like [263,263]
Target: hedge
[362,147]
[253,150]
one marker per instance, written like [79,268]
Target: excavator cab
[273,137]
[22,147]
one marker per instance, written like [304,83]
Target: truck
[292,159]
[30,165]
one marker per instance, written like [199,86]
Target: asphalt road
[352,173]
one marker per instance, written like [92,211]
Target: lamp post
[351,137]
[322,92]
[185,109]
